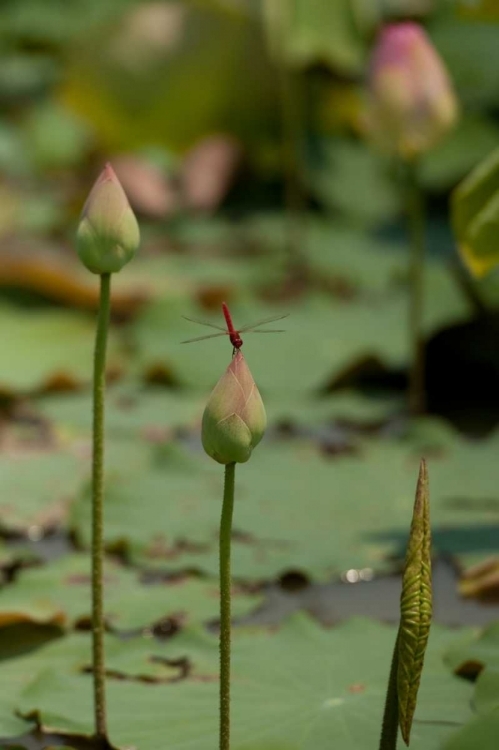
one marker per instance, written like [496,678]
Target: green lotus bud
[234,419]
[108,235]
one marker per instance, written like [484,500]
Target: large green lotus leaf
[39,486]
[37,489]
[354,258]
[353,180]
[300,688]
[471,141]
[476,651]
[130,412]
[298,510]
[357,259]
[60,593]
[42,349]
[27,650]
[134,658]
[192,652]
[17,643]
[10,724]
[25,653]
[361,267]
[321,340]
[468,51]
[306,32]
[486,696]
[480,733]
[345,405]
[208,266]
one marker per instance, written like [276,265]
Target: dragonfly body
[233,333]
[235,338]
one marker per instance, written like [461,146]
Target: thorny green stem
[225,604]
[389,731]
[416,224]
[97,509]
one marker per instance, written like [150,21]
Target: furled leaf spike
[415,607]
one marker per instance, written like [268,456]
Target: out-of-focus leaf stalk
[416,218]
[278,21]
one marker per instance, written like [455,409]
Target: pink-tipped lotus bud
[108,234]
[234,419]
[412,104]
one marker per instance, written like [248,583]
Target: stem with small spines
[97,509]
[225,604]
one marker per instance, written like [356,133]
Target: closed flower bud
[108,233]
[234,419]
[412,104]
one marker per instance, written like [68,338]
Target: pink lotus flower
[412,104]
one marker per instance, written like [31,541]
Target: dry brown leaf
[53,274]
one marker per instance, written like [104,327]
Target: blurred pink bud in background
[412,104]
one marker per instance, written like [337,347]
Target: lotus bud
[108,233]
[234,419]
[412,104]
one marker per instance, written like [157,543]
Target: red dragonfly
[233,333]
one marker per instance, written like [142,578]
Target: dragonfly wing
[264,330]
[263,322]
[205,323]
[202,338]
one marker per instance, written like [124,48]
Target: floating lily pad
[130,412]
[60,593]
[321,339]
[17,672]
[48,350]
[475,652]
[296,510]
[348,406]
[37,489]
[481,732]
[300,688]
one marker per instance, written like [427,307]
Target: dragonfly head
[236,341]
